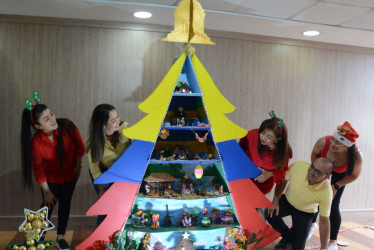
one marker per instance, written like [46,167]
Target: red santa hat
[346,134]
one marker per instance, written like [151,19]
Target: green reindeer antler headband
[29,106]
[278,121]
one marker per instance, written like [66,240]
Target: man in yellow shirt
[308,188]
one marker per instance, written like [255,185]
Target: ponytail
[26,137]
[351,159]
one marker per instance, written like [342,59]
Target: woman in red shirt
[54,154]
[342,150]
[269,149]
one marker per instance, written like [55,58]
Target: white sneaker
[313,228]
[332,246]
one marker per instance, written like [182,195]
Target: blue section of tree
[188,75]
[130,166]
[236,163]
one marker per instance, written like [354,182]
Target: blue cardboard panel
[130,166]
[236,163]
[188,75]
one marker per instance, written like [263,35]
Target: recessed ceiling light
[311,33]
[142,14]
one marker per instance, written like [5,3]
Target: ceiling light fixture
[142,14]
[311,33]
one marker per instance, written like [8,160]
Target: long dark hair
[352,150]
[283,148]
[26,137]
[97,139]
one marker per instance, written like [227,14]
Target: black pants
[301,221]
[335,216]
[63,194]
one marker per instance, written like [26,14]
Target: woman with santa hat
[342,150]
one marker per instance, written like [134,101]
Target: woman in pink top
[342,150]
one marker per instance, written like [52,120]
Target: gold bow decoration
[342,130]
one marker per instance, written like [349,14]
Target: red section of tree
[247,197]
[116,203]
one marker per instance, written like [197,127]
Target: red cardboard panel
[116,203]
[247,197]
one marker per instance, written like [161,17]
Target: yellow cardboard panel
[216,106]
[159,100]
[155,105]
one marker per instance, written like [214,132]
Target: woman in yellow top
[106,143]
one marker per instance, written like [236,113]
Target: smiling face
[319,170]
[268,138]
[47,122]
[113,123]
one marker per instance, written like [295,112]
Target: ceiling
[346,22]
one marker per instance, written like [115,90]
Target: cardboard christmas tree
[184,171]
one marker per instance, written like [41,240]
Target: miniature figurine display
[223,217]
[205,221]
[180,118]
[167,219]
[186,219]
[36,223]
[155,223]
[147,242]
[159,184]
[140,218]
[182,87]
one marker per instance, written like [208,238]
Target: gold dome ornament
[190,50]
[35,224]
[30,243]
[40,246]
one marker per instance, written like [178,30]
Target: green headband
[277,120]
[28,103]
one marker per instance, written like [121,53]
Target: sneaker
[282,245]
[332,246]
[313,228]
[62,244]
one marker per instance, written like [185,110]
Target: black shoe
[62,244]
[282,245]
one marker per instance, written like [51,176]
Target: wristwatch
[336,186]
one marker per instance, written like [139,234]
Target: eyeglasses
[336,142]
[316,171]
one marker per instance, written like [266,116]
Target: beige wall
[76,65]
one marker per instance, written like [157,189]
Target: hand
[49,199]
[264,176]
[270,211]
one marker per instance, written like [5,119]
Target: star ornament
[36,223]
[185,235]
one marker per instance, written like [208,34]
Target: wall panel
[77,65]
